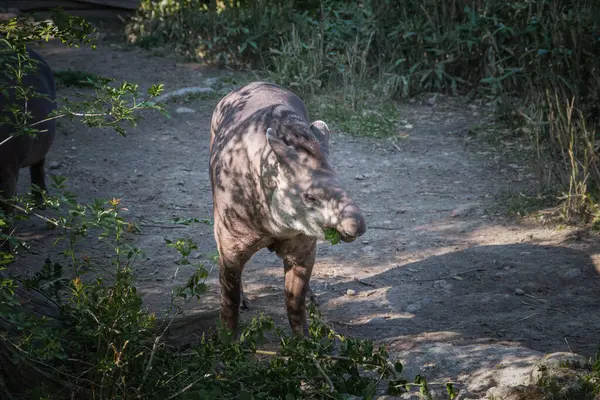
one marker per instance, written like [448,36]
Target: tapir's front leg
[234,253]
[298,259]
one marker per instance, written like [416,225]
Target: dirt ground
[453,287]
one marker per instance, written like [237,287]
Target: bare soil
[441,276]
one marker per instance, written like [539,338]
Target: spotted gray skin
[273,187]
[24,150]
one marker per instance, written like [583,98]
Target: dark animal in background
[273,187]
[24,150]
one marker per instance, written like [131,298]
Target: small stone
[519,292]
[211,81]
[442,284]
[54,165]
[365,242]
[411,308]
[350,292]
[184,110]
[73,147]
[367,249]
[572,273]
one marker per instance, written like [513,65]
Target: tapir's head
[309,197]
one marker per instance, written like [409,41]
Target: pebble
[519,292]
[184,110]
[54,165]
[367,249]
[350,292]
[211,81]
[572,273]
[411,308]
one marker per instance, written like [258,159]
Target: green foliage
[332,236]
[80,79]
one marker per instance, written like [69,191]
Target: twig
[437,194]
[364,283]
[56,224]
[535,297]
[386,228]
[6,140]
[164,226]
[454,274]
[185,389]
[156,344]
[327,379]
[548,307]
[396,146]
[568,346]
[529,316]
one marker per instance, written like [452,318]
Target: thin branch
[327,379]
[185,389]
[56,224]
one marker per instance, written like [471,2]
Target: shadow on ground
[542,297]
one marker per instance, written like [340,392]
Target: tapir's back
[254,106]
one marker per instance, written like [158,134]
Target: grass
[76,78]
[367,116]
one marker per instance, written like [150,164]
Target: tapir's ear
[283,152]
[321,132]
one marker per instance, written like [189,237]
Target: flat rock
[476,368]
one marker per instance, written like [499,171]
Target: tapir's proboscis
[25,149]
[273,186]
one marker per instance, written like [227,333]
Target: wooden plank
[124,4]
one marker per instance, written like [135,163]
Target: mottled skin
[24,150]
[273,187]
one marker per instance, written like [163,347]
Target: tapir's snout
[352,223]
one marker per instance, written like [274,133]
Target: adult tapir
[273,186]
[19,149]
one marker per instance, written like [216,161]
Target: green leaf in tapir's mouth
[332,235]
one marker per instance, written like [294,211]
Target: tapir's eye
[309,198]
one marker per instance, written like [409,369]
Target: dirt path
[458,292]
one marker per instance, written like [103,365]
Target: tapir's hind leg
[298,260]
[38,178]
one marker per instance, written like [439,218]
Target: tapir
[19,149]
[273,187]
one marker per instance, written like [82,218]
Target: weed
[80,79]
[365,117]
